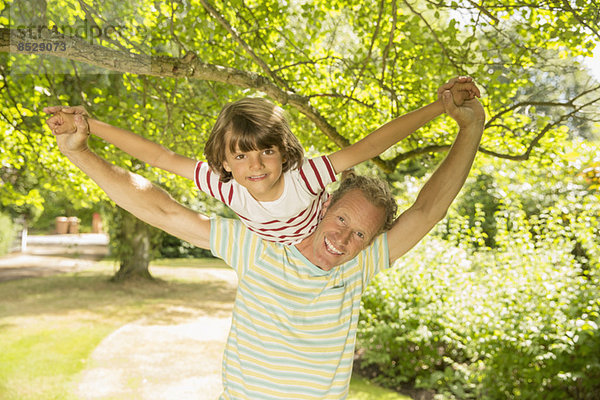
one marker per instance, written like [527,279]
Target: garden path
[151,361]
[175,355]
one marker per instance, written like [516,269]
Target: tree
[164,70]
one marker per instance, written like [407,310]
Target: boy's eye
[240,156]
[269,152]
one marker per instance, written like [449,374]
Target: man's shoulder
[227,235]
[220,221]
[231,230]
[378,251]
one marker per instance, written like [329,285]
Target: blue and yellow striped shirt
[294,325]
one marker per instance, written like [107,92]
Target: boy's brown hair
[251,124]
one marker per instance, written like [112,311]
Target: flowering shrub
[469,321]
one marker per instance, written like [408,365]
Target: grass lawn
[362,389]
[49,326]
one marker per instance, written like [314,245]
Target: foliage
[357,66]
[57,204]
[558,193]
[492,325]
[172,247]
[503,305]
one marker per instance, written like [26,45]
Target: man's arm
[133,192]
[381,139]
[141,148]
[443,186]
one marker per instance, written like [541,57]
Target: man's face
[346,229]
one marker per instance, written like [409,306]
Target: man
[296,309]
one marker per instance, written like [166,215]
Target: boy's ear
[226,166]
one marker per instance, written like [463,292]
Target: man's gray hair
[374,189]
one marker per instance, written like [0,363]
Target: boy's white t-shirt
[286,220]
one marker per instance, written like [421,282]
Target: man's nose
[345,236]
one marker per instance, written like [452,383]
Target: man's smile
[331,248]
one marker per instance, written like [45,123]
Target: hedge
[472,322]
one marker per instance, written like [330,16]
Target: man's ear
[324,208]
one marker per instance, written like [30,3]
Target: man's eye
[360,235]
[341,219]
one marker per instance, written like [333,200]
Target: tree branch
[77,49]
[435,36]
[216,15]
[390,43]
[535,141]
[579,19]
[568,103]
[370,51]
[484,11]
[125,61]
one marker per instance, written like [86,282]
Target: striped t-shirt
[293,328]
[288,219]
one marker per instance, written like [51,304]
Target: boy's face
[259,171]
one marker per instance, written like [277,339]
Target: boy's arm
[141,148]
[133,192]
[384,137]
[389,134]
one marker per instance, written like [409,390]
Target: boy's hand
[67,110]
[462,89]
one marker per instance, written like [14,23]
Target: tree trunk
[133,247]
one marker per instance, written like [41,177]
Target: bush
[469,322]
[7,234]
[172,247]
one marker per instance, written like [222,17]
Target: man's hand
[69,142]
[462,88]
[470,113]
[70,127]
[63,123]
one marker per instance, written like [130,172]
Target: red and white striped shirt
[286,220]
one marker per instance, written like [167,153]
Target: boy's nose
[256,162]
